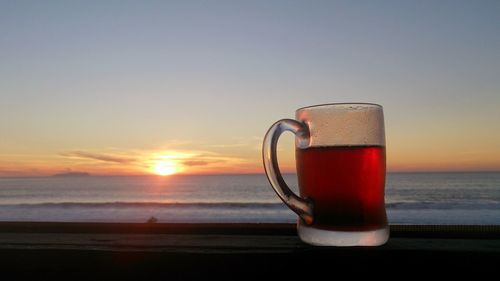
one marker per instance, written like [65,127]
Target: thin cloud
[99,156]
[192,163]
[144,161]
[227,145]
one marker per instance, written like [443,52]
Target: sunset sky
[144,87]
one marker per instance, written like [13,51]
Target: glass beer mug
[340,158]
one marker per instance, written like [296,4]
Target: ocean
[411,198]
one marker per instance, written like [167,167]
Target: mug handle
[302,207]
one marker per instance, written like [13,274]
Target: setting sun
[165,168]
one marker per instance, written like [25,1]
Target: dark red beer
[346,185]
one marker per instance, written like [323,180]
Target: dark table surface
[105,251]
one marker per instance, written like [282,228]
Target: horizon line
[236,174]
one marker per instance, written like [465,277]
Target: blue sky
[142,77]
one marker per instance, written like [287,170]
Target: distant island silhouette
[72,174]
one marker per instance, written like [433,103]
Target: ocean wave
[247,205]
[443,205]
[232,205]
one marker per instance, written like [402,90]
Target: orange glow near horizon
[165,162]
[165,168]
